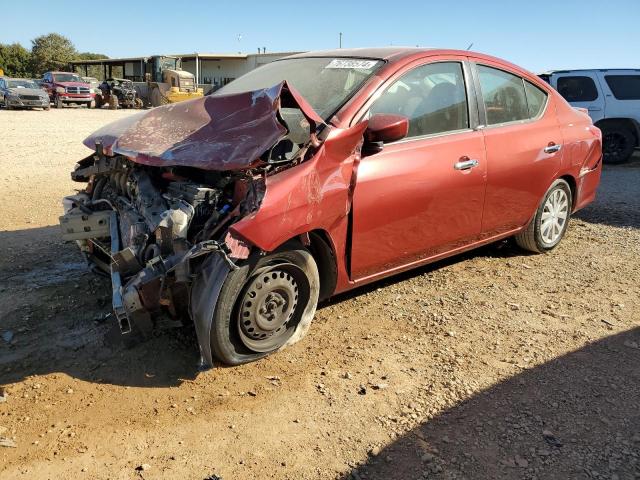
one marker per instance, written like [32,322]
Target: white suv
[612,98]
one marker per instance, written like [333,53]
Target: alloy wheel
[554,216]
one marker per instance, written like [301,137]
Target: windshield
[67,77]
[21,84]
[326,83]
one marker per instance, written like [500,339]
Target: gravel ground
[494,364]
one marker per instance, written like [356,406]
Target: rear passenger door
[583,90]
[622,91]
[523,146]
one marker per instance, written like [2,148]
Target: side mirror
[384,128]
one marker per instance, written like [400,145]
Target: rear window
[577,89]
[624,87]
[503,95]
[536,99]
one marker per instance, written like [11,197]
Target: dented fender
[315,194]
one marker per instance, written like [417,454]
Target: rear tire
[618,143]
[265,306]
[550,222]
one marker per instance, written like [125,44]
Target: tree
[51,52]
[90,56]
[15,60]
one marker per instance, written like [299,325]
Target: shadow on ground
[575,417]
[55,316]
[618,199]
[59,315]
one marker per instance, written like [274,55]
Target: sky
[536,34]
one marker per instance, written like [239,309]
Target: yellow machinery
[168,83]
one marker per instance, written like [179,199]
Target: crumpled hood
[216,132]
[27,91]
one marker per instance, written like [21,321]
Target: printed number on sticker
[351,63]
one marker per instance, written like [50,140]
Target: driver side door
[421,197]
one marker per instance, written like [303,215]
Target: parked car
[67,88]
[93,82]
[118,93]
[318,173]
[612,98]
[22,93]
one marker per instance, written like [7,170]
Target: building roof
[204,56]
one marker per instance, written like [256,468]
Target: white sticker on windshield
[352,63]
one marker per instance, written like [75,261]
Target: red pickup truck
[65,87]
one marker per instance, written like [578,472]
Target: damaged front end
[165,186]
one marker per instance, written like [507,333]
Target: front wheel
[550,222]
[265,306]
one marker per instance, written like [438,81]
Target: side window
[432,97]
[536,99]
[577,89]
[624,87]
[503,95]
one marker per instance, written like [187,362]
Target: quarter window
[577,89]
[503,95]
[624,87]
[536,98]
[432,97]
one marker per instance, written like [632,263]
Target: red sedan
[318,173]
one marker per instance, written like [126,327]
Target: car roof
[569,70]
[395,54]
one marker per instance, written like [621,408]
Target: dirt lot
[496,364]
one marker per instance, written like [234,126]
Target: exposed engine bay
[147,226]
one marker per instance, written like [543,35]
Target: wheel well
[322,251]
[627,123]
[572,185]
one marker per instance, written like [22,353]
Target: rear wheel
[265,306]
[550,222]
[618,143]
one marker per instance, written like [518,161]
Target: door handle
[594,109]
[552,148]
[465,163]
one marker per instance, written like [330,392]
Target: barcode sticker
[351,63]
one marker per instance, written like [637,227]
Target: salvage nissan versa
[318,173]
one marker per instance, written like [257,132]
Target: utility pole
[340,40]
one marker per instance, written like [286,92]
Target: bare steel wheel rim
[270,306]
[554,216]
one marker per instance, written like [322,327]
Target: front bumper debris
[135,297]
